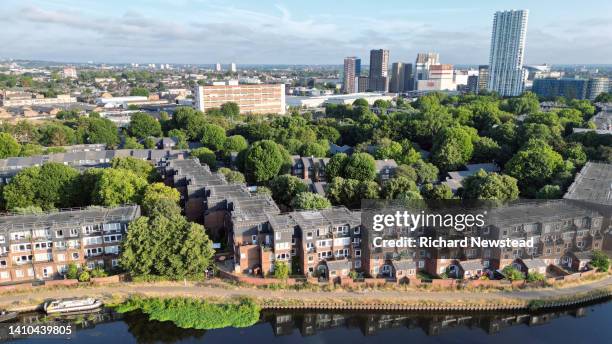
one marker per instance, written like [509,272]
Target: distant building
[550,88]
[69,72]
[483,78]
[363,83]
[379,67]
[218,67]
[597,86]
[401,77]
[440,79]
[472,84]
[421,66]
[506,74]
[232,68]
[252,99]
[349,84]
[33,100]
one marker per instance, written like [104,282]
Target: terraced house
[40,246]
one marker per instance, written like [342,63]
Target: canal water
[587,324]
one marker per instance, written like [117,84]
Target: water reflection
[287,326]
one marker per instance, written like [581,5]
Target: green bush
[600,261]
[281,270]
[512,273]
[72,272]
[84,276]
[535,277]
[98,271]
[196,314]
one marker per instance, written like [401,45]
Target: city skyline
[206,32]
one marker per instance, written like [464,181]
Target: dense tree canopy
[264,160]
[118,186]
[310,201]
[493,186]
[143,125]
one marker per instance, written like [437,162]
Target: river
[587,324]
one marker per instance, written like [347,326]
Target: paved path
[223,290]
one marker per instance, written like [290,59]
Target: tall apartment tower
[422,64]
[483,78]
[379,69]
[232,67]
[218,67]
[401,77]
[352,65]
[506,73]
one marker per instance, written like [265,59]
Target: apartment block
[252,99]
[41,246]
[85,157]
[311,168]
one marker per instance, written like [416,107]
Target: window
[75,255]
[357,264]
[61,257]
[310,258]
[357,253]
[74,232]
[59,233]
[4,275]
[421,264]
[18,273]
[254,239]
[277,236]
[2,239]
[357,230]
[310,246]
[308,235]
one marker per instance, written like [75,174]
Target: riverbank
[373,299]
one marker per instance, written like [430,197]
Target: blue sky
[294,32]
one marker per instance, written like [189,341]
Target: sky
[295,32]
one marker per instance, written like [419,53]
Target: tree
[264,160]
[281,270]
[166,244]
[486,150]
[534,165]
[155,193]
[310,201]
[131,143]
[285,187]
[426,172]
[406,171]
[483,185]
[206,156]
[397,186]
[234,144]
[600,261]
[574,152]
[230,109]
[361,102]
[436,192]
[49,186]
[388,149]
[84,276]
[140,167]
[213,136]
[190,121]
[549,192]
[139,91]
[118,186]
[56,135]
[452,148]
[30,149]
[234,177]
[512,273]
[605,97]
[313,149]
[9,147]
[180,137]
[335,166]
[525,104]
[350,192]
[143,125]
[97,130]
[360,166]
